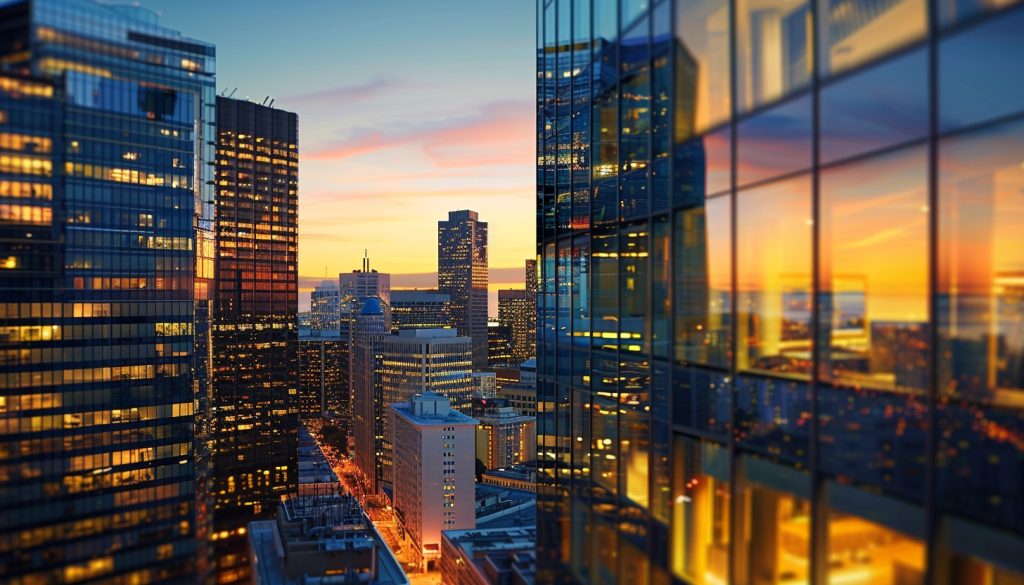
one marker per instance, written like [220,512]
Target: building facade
[496,556]
[517,313]
[370,327]
[434,456]
[779,293]
[505,438]
[462,275]
[323,380]
[255,338]
[420,309]
[366,283]
[499,345]
[325,306]
[104,237]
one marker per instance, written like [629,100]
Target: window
[773,39]
[700,534]
[856,31]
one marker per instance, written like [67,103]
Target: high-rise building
[323,383]
[462,274]
[505,438]
[325,306]
[255,338]
[531,313]
[434,455]
[415,361]
[779,292]
[499,345]
[105,253]
[366,283]
[420,309]
[370,327]
[514,313]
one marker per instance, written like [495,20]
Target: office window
[703,98]
[856,31]
[774,39]
[701,511]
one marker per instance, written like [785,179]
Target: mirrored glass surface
[702,52]
[856,31]
[774,142]
[774,59]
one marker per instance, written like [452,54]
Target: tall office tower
[514,312]
[103,211]
[366,283]
[255,338]
[499,345]
[505,438]
[531,299]
[322,382]
[415,361]
[325,306]
[420,309]
[462,274]
[435,457]
[370,327]
[779,292]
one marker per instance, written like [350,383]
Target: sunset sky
[407,109]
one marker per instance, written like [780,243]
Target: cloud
[333,198]
[514,276]
[499,133]
[343,94]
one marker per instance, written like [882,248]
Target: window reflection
[954,11]
[861,549]
[978,554]
[661,305]
[874,272]
[605,439]
[773,417]
[703,279]
[776,525]
[702,66]
[700,512]
[870,110]
[855,31]
[702,167]
[774,142]
[634,318]
[981,74]
[605,315]
[774,277]
[774,39]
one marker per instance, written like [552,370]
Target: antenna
[271,104]
[232,92]
[366,260]
[265,101]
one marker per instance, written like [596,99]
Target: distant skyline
[396,128]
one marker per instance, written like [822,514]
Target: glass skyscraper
[781,310]
[105,214]
[462,274]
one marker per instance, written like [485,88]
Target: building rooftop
[499,555]
[429,334]
[429,409]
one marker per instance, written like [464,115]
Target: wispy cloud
[498,133]
[343,95]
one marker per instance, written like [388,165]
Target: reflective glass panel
[703,283]
[774,42]
[874,272]
[774,142]
[634,312]
[702,399]
[773,417]
[975,553]
[701,167]
[775,515]
[873,109]
[661,305]
[700,512]
[954,11]
[702,66]
[774,277]
[870,539]
[856,31]
[605,439]
[981,73]
[605,316]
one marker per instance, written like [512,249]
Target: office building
[325,306]
[519,477]
[370,327]
[462,274]
[485,384]
[420,309]
[779,292]
[320,540]
[499,345]
[505,438]
[515,310]
[531,298]
[323,375]
[367,283]
[255,337]
[498,556]
[521,397]
[416,361]
[434,456]
[106,252]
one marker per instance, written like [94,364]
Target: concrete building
[321,540]
[505,438]
[498,556]
[366,283]
[521,397]
[485,384]
[434,455]
[518,477]
[420,309]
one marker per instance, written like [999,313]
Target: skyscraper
[766,233]
[255,339]
[531,312]
[325,306]
[323,383]
[366,283]
[104,212]
[423,360]
[420,309]
[462,274]
[515,310]
[370,327]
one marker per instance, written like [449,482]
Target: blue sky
[407,109]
